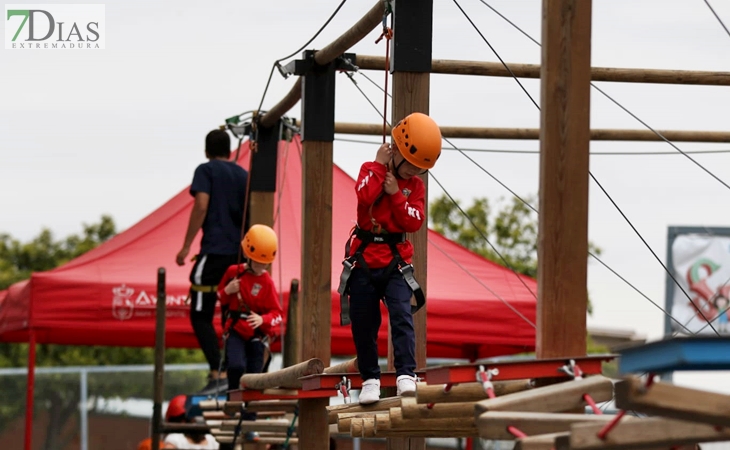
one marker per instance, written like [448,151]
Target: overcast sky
[119,131]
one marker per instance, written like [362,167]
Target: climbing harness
[406,270]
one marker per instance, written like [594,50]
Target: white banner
[701,265]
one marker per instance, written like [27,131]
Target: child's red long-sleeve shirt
[401,212]
[258,294]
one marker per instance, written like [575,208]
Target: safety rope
[388,35]
[252,147]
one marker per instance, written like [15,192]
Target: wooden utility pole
[564,144]
[411,68]
[318,133]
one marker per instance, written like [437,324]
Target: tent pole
[159,375]
[29,391]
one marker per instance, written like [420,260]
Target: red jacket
[258,294]
[401,212]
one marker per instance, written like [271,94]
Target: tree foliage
[505,234]
[59,394]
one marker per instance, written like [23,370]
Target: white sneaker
[370,392]
[406,386]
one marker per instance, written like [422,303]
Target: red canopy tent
[107,296]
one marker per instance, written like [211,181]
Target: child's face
[258,268]
[406,170]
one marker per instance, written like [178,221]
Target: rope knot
[387,34]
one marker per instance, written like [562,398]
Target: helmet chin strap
[397,168]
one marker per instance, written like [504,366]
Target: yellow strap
[201,288]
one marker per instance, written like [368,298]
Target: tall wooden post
[411,67]
[263,176]
[318,133]
[564,143]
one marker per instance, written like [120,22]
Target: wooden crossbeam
[497,69]
[467,392]
[493,424]
[262,440]
[263,405]
[538,442]
[215,415]
[257,425]
[426,433]
[210,405]
[287,377]
[344,419]
[397,422]
[675,402]
[345,367]
[382,405]
[413,410]
[646,433]
[559,397]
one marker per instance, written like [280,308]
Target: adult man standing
[220,191]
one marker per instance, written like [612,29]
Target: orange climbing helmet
[176,408]
[260,244]
[419,140]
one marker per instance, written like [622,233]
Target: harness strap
[203,288]
[406,270]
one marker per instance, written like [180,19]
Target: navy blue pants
[242,356]
[365,299]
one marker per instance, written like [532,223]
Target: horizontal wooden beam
[261,440]
[327,54]
[466,392]
[382,405]
[232,408]
[493,424]
[558,397]
[413,410]
[287,377]
[374,129]
[257,425]
[675,402]
[538,442]
[645,434]
[345,367]
[345,419]
[398,422]
[497,69]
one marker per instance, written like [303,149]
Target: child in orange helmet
[390,203]
[254,313]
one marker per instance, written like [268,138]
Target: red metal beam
[330,381]
[514,370]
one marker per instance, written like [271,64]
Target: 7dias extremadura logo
[54,27]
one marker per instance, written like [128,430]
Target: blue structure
[680,353]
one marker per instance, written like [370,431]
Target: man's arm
[197,217]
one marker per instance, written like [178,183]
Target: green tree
[59,395]
[510,228]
